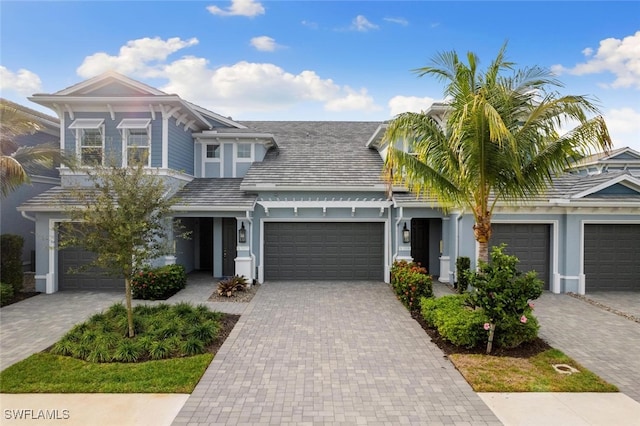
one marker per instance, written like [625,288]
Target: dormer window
[244,151]
[136,141]
[89,140]
[213,150]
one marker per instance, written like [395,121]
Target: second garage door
[612,257]
[324,251]
[530,243]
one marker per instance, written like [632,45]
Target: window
[89,140]
[213,151]
[136,141]
[244,150]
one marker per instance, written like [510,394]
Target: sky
[320,60]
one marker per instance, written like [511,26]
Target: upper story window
[244,151]
[136,141]
[89,140]
[213,151]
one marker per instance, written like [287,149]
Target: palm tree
[18,162]
[499,141]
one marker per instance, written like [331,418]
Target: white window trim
[81,124]
[204,160]
[125,126]
[244,159]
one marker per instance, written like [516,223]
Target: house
[307,200]
[12,221]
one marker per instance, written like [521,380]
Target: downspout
[253,256]
[26,216]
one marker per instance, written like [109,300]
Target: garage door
[324,251]
[612,257]
[528,242]
[92,279]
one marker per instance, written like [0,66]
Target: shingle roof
[214,194]
[53,199]
[314,154]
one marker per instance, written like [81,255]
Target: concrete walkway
[331,353]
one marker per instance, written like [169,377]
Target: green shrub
[455,320]
[11,261]
[6,292]
[463,267]
[410,282]
[163,331]
[504,293]
[159,283]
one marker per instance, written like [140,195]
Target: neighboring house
[12,221]
[307,200]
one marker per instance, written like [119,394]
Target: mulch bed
[19,297]
[237,297]
[525,350]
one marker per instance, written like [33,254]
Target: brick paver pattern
[331,353]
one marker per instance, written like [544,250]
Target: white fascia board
[217,117]
[635,184]
[220,136]
[272,187]
[105,78]
[373,141]
[229,208]
[328,203]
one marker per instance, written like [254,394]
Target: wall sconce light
[242,234]
[406,234]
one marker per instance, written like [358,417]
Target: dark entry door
[206,243]
[420,241]
[229,252]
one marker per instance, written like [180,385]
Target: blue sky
[319,60]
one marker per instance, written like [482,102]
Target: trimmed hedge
[159,283]
[410,282]
[463,267]
[11,260]
[6,292]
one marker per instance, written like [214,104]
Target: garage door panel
[530,243]
[325,251]
[611,253]
[72,259]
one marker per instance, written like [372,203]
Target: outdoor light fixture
[406,234]
[242,234]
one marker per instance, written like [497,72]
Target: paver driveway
[331,352]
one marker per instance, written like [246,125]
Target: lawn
[486,373]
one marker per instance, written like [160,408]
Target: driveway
[604,342]
[331,353]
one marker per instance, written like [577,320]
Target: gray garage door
[612,257]
[324,251]
[528,242]
[93,279]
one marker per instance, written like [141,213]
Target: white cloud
[23,82]
[141,57]
[399,21]
[400,104]
[310,24]
[362,24]
[624,127]
[353,101]
[264,44]
[249,8]
[619,57]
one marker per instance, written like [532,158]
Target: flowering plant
[410,282]
[159,283]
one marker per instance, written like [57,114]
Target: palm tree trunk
[482,233]
[127,289]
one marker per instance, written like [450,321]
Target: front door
[206,243]
[420,241]
[229,252]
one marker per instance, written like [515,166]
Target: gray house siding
[181,148]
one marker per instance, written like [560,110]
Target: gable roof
[87,86]
[317,155]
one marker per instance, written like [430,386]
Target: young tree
[123,217]
[500,141]
[17,162]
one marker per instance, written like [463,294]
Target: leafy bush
[463,267]
[229,286]
[410,282]
[455,320]
[159,283]
[162,331]
[6,291]
[504,294]
[11,261]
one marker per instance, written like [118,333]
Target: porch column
[445,259]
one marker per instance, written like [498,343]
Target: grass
[48,373]
[534,374]
[172,348]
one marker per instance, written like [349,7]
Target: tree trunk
[127,290]
[492,329]
[482,233]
